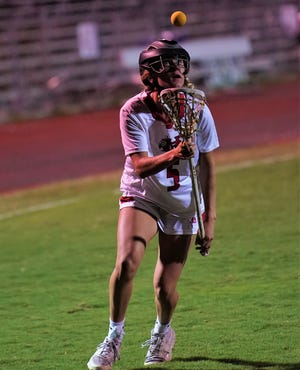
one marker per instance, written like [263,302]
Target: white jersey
[170,188]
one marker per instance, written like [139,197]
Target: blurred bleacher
[67,56]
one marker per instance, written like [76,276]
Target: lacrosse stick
[183,107]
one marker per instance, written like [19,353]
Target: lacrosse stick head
[183,107]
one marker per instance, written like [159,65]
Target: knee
[127,269]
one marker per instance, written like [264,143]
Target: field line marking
[37,208]
[253,162]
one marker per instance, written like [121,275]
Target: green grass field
[239,307]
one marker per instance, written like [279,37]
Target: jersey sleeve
[206,135]
[133,133]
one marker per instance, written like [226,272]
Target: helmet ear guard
[152,57]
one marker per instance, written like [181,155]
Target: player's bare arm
[208,185]
[146,166]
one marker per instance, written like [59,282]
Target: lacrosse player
[157,199]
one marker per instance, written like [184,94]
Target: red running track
[38,152]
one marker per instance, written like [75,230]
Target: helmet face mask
[164,64]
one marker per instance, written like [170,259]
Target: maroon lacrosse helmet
[155,56]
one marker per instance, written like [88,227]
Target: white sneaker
[160,347]
[106,354]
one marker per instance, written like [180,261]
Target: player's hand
[185,150]
[204,244]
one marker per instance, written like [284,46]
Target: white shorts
[170,224]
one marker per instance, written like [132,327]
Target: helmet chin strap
[157,86]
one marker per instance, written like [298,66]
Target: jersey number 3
[174,174]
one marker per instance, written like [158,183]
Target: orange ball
[178,18]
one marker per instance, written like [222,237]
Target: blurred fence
[68,56]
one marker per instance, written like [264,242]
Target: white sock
[160,328]
[116,329]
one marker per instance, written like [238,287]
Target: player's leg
[135,229]
[173,252]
